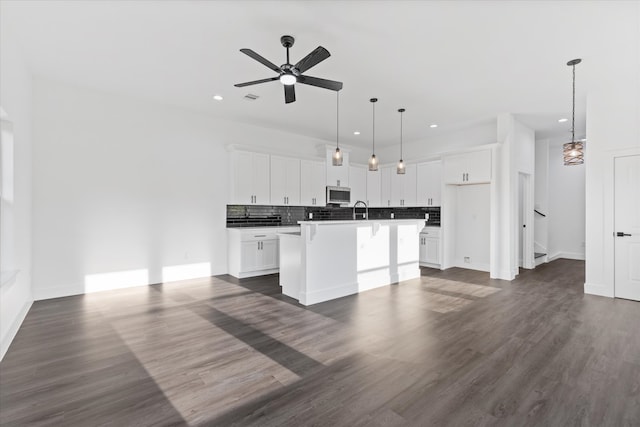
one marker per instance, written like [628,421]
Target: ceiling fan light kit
[573,152]
[289,74]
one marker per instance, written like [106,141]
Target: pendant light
[401,170]
[373,161]
[572,152]
[337,156]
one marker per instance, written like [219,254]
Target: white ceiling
[457,64]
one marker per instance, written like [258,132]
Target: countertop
[360,221]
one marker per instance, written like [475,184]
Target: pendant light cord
[374,127]
[337,119]
[401,135]
[573,117]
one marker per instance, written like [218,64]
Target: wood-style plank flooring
[451,348]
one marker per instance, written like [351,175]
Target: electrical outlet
[310,215]
[467,260]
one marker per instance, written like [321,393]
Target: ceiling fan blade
[323,83]
[255,82]
[261,59]
[318,55]
[289,93]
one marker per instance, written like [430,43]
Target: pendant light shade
[573,152]
[337,156]
[401,169]
[373,161]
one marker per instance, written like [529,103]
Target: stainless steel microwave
[338,195]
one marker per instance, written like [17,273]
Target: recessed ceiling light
[433,126]
[218,97]
[563,120]
[356,133]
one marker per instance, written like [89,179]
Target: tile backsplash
[272,216]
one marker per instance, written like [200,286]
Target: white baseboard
[473,266]
[7,339]
[567,255]
[598,289]
[541,260]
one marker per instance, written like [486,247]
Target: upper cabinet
[312,183]
[429,183]
[285,181]
[358,183]
[373,189]
[403,187]
[468,168]
[385,185]
[250,183]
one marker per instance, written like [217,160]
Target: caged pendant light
[572,152]
[401,169]
[373,161]
[337,156]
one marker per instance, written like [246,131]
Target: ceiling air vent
[251,97]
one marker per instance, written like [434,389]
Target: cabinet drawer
[430,232]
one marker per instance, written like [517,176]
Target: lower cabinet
[253,252]
[430,247]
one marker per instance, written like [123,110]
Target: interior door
[627,227]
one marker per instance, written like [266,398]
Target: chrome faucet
[366,211]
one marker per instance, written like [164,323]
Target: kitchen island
[332,259]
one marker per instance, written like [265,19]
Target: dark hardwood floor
[451,348]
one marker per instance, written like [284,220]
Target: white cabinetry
[373,189]
[358,183]
[403,187]
[385,185]
[285,181]
[312,183]
[468,168]
[250,182]
[253,252]
[429,183]
[430,247]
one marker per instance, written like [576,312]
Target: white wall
[128,192]
[613,128]
[15,100]
[566,212]
[541,199]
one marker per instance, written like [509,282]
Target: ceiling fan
[289,74]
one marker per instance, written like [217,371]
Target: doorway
[524,235]
[627,227]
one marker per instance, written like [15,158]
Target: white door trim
[604,289]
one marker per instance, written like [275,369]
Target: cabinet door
[358,183]
[429,183]
[260,177]
[396,187]
[278,180]
[373,189]
[242,181]
[468,168]
[432,250]
[409,188]
[250,256]
[455,168]
[292,189]
[312,183]
[385,186]
[423,249]
[268,254]
[479,167]
[285,181]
